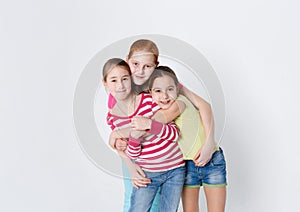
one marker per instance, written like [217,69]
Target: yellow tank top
[192,134]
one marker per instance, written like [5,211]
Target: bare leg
[190,199]
[215,198]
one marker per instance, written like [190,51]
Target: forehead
[163,81]
[118,71]
[143,56]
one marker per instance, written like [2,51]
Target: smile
[122,91]
[139,77]
[165,102]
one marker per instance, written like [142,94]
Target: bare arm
[206,116]
[137,175]
[167,115]
[117,138]
[204,109]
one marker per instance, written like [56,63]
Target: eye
[148,66]
[125,78]
[171,89]
[157,91]
[113,80]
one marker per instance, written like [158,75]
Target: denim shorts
[213,174]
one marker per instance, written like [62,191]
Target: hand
[137,133]
[121,144]
[138,177]
[141,123]
[204,155]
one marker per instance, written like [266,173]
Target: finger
[141,183]
[202,163]
[134,185]
[142,180]
[196,157]
[121,148]
[196,161]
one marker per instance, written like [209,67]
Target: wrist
[155,127]
[117,134]
[134,141]
[149,125]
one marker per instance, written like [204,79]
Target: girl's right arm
[117,137]
[137,175]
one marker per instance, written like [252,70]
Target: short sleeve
[111,101]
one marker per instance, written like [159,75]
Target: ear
[104,83]
[127,59]
[157,63]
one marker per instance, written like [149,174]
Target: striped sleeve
[134,147]
[168,131]
[110,122]
[155,107]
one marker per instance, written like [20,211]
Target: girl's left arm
[206,115]
[167,115]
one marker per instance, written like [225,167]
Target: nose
[140,70]
[120,86]
[165,95]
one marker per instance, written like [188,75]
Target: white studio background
[252,45]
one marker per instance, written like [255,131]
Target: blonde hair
[144,45]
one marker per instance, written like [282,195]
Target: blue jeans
[171,183]
[213,174]
[128,191]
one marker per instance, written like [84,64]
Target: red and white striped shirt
[157,151]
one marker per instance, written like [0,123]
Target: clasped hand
[141,123]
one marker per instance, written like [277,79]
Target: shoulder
[146,96]
[182,98]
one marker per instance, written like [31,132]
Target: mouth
[122,91]
[165,102]
[139,77]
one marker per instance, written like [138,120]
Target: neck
[126,106]
[142,88]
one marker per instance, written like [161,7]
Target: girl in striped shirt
[156,150]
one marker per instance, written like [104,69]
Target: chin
[139,81]
[164,106]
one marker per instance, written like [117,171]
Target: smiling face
[118,82]
[164,91]
[141,64]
